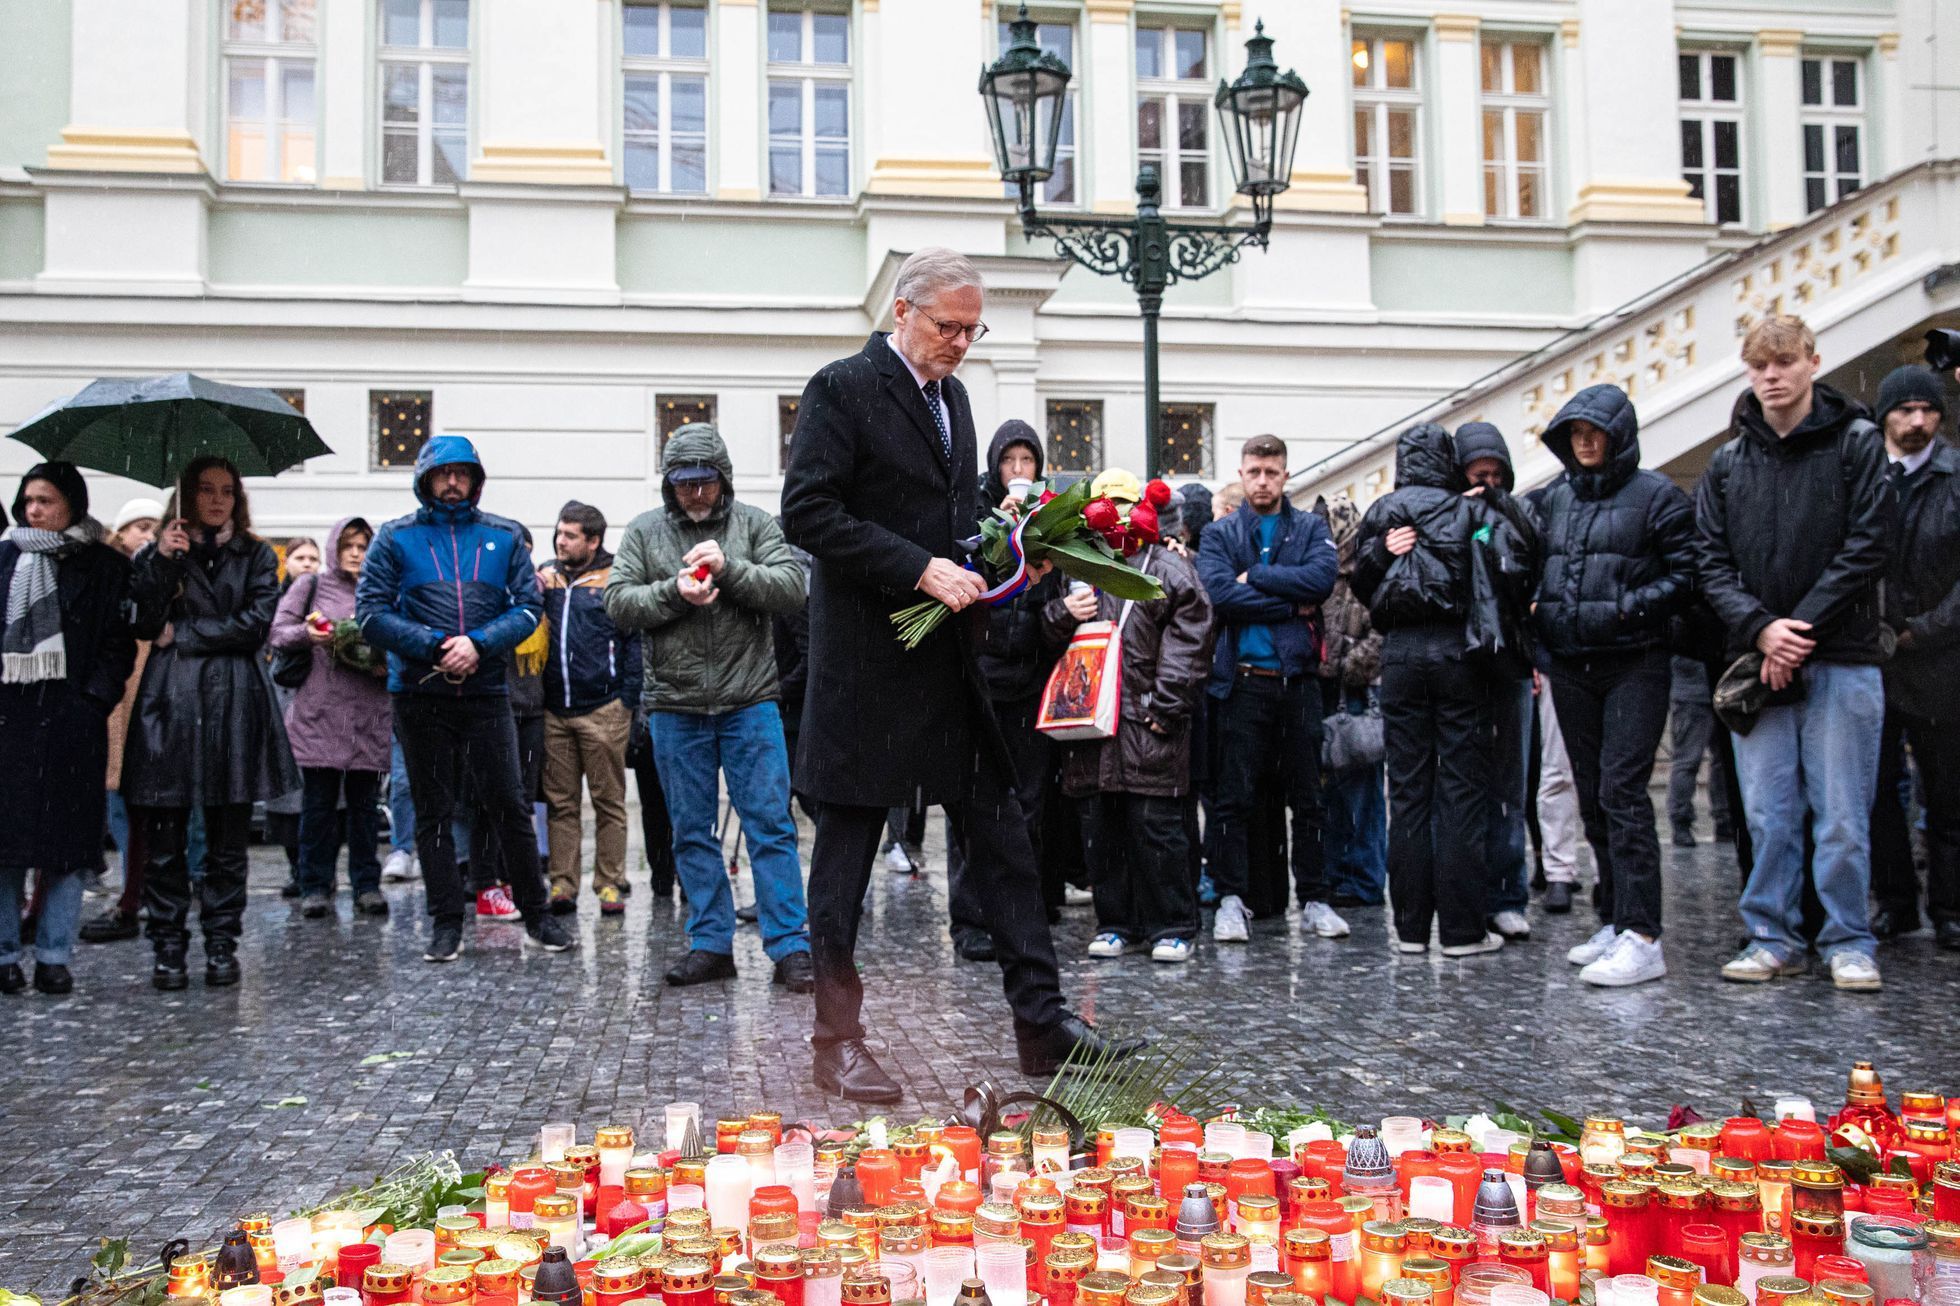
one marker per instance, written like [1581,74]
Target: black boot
[109,927]
[220,963]
[699,967]
[12,978]
[53,978]
[1042,1051]
[170,974]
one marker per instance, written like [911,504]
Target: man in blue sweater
[1267,567]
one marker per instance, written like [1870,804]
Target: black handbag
[291,666]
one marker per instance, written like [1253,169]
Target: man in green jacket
[702,577]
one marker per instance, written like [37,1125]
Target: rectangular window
[1174,112]
[1833,125]
[1057,39]
[270,61]
[399,422]
[675,411]
[786,406]
[664,106]
[1184,439]
[1711,131]
[809,103]
[1387,122]
[1517,105]
[1075,435]
[425,92]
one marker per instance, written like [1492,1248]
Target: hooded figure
[339,718]
[1428,585]
[1013,648]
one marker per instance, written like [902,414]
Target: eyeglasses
[950,331]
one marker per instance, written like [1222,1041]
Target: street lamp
[1259,113]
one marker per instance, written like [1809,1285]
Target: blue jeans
[1510,711]
[119,825]
[1818,757]
[54,928]
[1354,836]
[401,810]
[746,748]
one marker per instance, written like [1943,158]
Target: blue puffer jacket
[447,569]
[1304,568]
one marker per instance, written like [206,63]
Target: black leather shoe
[110,927]
[290,889]
[220,968]
[974,945]
[1684,836]
[848,1070]
[53,979]
[1558,898]
[1947,935]
[12,978]
[1891,922]
[795,973]
[170,974]
[699,967]
[1042,1052]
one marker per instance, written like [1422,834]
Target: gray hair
[932,270]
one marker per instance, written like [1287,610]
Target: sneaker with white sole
[1411,947]
[1594,948]
[1757,964]
[1074,897]
[1171,950]
[399,866]
[1856,972]
[897,862]
[1631,960]
[1230,925]
[1511,924]
[495,904]
[1108,944]
[1489,943]
[1323,920]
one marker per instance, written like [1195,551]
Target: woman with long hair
[300,559]
[206,732]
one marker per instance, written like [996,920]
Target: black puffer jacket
[1428,585]
[1012,647]
[1475,440]
[1619,541]
[1922,591]
[1798,527]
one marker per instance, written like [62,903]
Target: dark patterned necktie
[931,389]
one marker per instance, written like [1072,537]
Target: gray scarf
[31,647]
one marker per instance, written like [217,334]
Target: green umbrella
[150,428]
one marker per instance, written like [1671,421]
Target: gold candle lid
[387,1278]
[1738,1197]
[1738,1169]
[821,1263]
[1185,1266]
[1258,1206]
[645,1182]
[1072,1242]
[617,1276]
[1715,1294]
[1522,1245]
[1765,1248]
[1816,1174]
[1151,1294]
[1150,1243]
[1383,1236]
[555,1206]
[1407,1290]
[1845,1292]
[1450,1140]
[753,1297]
[686,1274]
[1306,1244]
[1261,1284]
[497,1276]
[772,1227]
[1431,1271]
[1673,1271]
[1102,1288]
[865,1288]
[1225,1251]
[903,1238]
[613,1137]
[461,1256]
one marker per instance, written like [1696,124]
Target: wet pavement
[130,1112]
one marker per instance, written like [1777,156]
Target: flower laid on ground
[1085,532]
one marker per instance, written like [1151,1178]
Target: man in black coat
[1922,604]
[880,489]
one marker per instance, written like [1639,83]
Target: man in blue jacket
[1267,567]
[448,592]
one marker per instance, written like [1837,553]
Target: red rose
[1114,537]
[1100,515]
[1131,545]
[1157,494]
[1046,495]
[1143,522]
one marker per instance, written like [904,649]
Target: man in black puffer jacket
[1794,516]
[1412,569]
[1619,564]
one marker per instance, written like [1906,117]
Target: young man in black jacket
[1922,605]
[1794,518]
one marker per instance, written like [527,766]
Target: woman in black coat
[206,731]
[65,651]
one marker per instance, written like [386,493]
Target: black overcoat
[872,496]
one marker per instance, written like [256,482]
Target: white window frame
[272,55]
[1377,100]
[1173,92]
[1831,117]
[1706,111]
[809,75]
[666,66]
[1511,103]
[1065,148]
[425,58]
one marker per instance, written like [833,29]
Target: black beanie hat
[65,477]
[1911,384]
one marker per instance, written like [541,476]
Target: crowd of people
[1430,703]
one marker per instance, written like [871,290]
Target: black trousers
[454,746]
[965,894]
[167,882]
[993,833]
[1437,732]
[1612,711]
[1267,724]
[656,829]
[489,858]
[1936,756]
[322,823]
[1138,867]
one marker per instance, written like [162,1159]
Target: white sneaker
[1323,921]
[1229,926]
[1511,924]
[1758,965]
[1592,949]
[1489,943]
[897,862]
[1631,960]
[1172,950]
[1108,944]
[399,866]
[1855,971]
[1410,947]
[1074,897]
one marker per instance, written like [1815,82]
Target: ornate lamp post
[1260,116]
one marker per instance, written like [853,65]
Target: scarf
[31,647]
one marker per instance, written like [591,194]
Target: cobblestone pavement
[127,1111]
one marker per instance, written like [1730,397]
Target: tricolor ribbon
[1017,580]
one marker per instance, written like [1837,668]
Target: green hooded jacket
[717,658]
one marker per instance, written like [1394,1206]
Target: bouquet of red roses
[1085,535]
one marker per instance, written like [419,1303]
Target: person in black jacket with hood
[1619,565]
[1412,569]
[1795,516]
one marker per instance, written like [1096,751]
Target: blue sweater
[1302,572]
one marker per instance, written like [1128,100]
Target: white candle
[729,1187]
